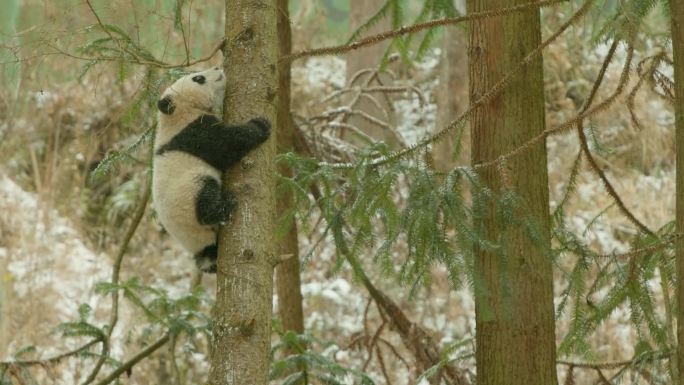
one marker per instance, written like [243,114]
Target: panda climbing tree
[214,186]
[192,151]
[193,197]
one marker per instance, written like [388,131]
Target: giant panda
[192,149]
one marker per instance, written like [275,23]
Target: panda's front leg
[211,205]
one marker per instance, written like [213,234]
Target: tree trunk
[288,285]
[677,14]
[514,286]
[244,293]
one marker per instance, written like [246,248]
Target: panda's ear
[166,105]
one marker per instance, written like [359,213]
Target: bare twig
[362,86]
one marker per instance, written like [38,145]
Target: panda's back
[176,182]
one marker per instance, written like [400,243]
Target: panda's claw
[263,125]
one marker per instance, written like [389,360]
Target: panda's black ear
[166,105]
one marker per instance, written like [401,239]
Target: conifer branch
[585,146]
[668,240]
[374,39]
[136,58]
[643,75]
[488,97]
[109,33]
[610,364]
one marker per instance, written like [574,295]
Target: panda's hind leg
[211,205]
[206,259]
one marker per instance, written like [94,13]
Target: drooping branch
[590,158]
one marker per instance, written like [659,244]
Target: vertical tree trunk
[514,286]
[288,285]
[242,315]
[677,14]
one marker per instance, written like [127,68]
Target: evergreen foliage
[300,364]
[395,11]
[405,217]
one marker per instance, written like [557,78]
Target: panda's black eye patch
[199,79]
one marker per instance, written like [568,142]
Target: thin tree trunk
[677,14]
[288,284]
[514,285]
[244,293]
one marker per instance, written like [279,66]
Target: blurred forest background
[77,117]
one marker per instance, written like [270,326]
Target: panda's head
[194,91]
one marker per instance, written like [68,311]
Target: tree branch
[128,365]
[488,97]
[51,360]
[585,146]
[371,40]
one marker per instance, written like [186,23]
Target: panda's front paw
[263,125]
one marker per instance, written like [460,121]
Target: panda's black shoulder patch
[199,139]
[220,145]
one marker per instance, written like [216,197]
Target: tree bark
[244,293]
[514,285]
[677,14]
[288,283]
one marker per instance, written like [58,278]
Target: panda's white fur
[192,150]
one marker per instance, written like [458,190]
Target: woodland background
[79,86]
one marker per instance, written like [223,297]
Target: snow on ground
[47,274]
